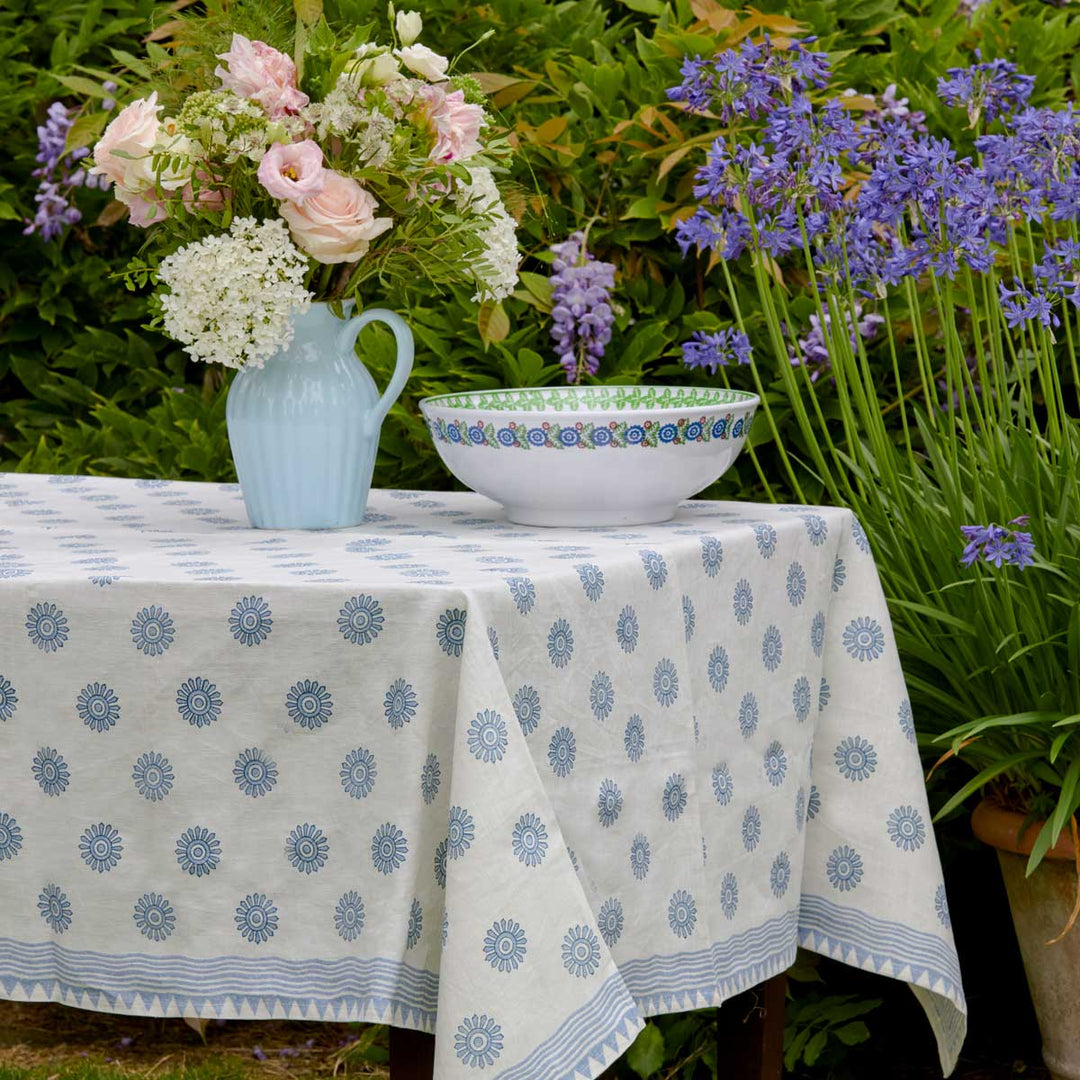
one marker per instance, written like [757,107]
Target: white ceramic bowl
[590,455]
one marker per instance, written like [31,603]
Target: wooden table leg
[751,1032]
[412,1055]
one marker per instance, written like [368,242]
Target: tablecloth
[517,787]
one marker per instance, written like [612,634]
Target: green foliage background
[580,84]
[84,389]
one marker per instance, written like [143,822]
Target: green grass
[51,1042]
[87,1070]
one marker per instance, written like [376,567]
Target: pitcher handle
[403,337]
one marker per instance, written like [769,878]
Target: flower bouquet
[276,190]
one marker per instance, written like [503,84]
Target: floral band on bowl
[611,398]
[590,436]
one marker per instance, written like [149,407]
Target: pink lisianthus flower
[293,171]
[338,224]
[456,125]
[263,74]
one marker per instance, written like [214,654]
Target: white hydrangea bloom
[232,296]
[496,270]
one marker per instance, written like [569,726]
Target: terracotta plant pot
[1041,906]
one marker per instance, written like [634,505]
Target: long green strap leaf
[985,777]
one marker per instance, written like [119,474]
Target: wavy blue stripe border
[926,962]
[349,988]
[696,980]
[856,937]
[587,1042]
[388,991]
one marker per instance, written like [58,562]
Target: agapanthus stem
[1055,401]
[769,418]
[995,333]
[1036,351]
[795,395]
[901,397]
[921,351]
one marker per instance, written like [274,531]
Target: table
[516,787]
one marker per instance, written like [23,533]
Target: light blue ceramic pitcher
[304,429]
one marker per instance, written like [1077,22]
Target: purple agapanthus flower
[715,350]
[781,182]
[813,347]
[581,312]
[725,231]
[998,546]
[749,82]
[986,89]
[890,107]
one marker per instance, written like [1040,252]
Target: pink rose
[133,132]
[456,124]
[293,171]
[263,74]
[143,210]
[338,224]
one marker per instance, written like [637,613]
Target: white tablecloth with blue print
[518,787]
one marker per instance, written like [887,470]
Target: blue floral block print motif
[519,787]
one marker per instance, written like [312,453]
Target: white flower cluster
[231,296]
[496,269]
[222,123]
[342,113]
[339,113]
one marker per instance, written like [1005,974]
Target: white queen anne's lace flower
[496,269]
[232,296]
[342,113]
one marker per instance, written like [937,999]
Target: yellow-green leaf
[646,1053]
[492,322]
[87,87]
[551,129]
[85,130]
[308,11]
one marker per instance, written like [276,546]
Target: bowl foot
[559,517]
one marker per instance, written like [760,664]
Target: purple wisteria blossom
[59,173]
[717,350]
[998,546]
[581,306]
[54,211]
